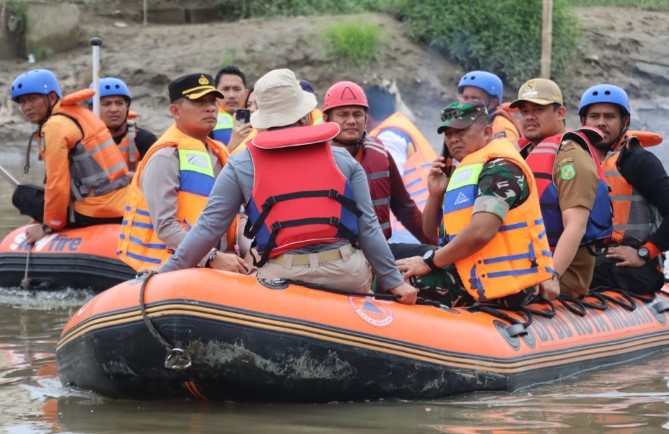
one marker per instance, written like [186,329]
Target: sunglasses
[461,111]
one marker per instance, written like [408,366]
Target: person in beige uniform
[567,186]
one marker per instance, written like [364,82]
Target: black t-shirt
[143,140]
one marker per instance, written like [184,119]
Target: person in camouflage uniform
[502,186]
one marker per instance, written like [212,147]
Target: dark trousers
[640,280]
[29,200]
[406,250]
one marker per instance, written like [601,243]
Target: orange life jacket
[96,165]
[518,257]
[634,218]
[128,147]
[420,156]
[300,197]
[139,245]
[504,125]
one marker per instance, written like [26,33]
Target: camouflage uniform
[499,179]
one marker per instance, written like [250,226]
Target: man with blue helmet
[487,87]
[632,258]
[85,177]
[132,141]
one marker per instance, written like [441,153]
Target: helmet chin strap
[352,145]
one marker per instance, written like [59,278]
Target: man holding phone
[231,127]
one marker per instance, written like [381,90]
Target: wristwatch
[428,258]
[47,229]
[211,257]
[643,253]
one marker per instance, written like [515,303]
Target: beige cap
[539,91]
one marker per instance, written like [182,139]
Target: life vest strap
[251,231]
[277,226]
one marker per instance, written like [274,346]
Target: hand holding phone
[448,161]
[243,116]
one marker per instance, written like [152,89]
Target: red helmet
[344,93]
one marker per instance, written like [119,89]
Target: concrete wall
[50,28]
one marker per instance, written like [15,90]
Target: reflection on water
[631,398]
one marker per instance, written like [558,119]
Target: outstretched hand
[414,266]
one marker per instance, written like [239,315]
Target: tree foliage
[502,36]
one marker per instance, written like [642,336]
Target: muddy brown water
[630,398]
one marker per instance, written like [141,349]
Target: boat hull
[72,258]
[248,342]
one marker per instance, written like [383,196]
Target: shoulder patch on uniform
[565,161]
[567,171]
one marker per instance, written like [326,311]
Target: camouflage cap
[461,115]
[539,91]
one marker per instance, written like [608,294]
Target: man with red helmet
[346,105]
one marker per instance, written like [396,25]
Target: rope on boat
[380,296]
[177,358]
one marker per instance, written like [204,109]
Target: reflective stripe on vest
[139,245]
[97,166]
[375,161]
[128,146]
[283,214]
[634,218]
[223,129]
[518,256]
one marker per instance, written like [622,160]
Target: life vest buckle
[334,221]
[270,202]
[276,226]
[333,193]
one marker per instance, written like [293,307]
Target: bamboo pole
[546,39]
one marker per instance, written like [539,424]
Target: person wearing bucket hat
[85,178]
[574,196]
[487,208]
[173,181]
[488,87]
[633,257]
[308,204]
[132,140]
[345,104]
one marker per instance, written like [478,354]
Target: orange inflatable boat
[212,335]
[71,258]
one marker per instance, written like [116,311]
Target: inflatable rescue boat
[212,335]
[71,258]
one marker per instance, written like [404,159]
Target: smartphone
[243,115]
[448,160]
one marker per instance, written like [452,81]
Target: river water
[631,398]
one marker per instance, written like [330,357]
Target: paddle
[8,177]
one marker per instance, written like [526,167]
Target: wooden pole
[146,12]
[546,39]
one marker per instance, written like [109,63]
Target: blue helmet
[111,86]
[486,81]
[40,81]
[604,93]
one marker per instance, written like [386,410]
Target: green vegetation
[14,12]
[503,36]
[353,43]
[232,10]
